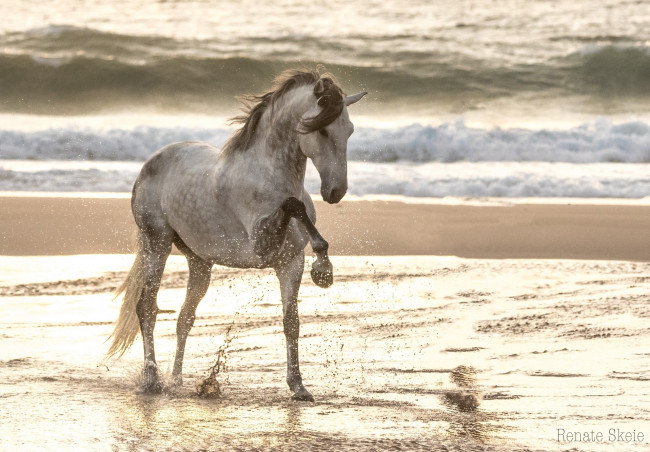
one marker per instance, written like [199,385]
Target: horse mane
[328,93]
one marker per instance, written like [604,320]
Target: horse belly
[228,244]
[197,203]
[205,226]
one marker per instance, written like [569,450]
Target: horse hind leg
[155,249]
[197,286]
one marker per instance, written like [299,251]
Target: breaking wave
[596,160]
[595,142]
[462,179]
[64,69]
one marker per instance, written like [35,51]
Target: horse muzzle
[334,194]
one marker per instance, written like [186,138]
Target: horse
[243,206]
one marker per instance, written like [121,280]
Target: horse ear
[349,100]
[319,88]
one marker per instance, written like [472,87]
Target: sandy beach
[37,224]
[491,255]
[450,326]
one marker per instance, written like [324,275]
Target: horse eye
[323,132]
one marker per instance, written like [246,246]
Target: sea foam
[598,141]
[596,160]
[461,179]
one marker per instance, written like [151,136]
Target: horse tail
[127,325]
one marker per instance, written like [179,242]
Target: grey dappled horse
[242,206]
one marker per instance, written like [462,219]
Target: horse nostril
[333,195]
[336,194]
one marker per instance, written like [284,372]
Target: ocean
[466,99]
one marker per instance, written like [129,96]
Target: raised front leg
[290,274]
[270,233]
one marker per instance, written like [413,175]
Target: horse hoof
[151,382]
[322,279]
[152,387]
[155,388]
[302,395]
[322,272]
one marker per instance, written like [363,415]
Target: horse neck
[278,143]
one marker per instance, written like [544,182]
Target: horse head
[324,132]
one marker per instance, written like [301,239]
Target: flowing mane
[328,93]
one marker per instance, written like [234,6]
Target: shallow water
[401,353]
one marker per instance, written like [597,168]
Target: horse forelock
[326,90]
[330,99]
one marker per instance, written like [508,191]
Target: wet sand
[38,225]
[402,353]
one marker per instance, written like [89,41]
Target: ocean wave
[70,85]
[614,70]
[463,179]
[135,144]
[599,141]
[496,179]
[65,69]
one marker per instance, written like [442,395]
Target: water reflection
[292,420]
[468,419]
[184,421]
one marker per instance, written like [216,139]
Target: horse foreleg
[321,270]
[290,274]
[155,252]
[271,231]
[197,286]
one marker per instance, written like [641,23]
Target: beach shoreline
[497,228]
[427,351]
[402,352]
